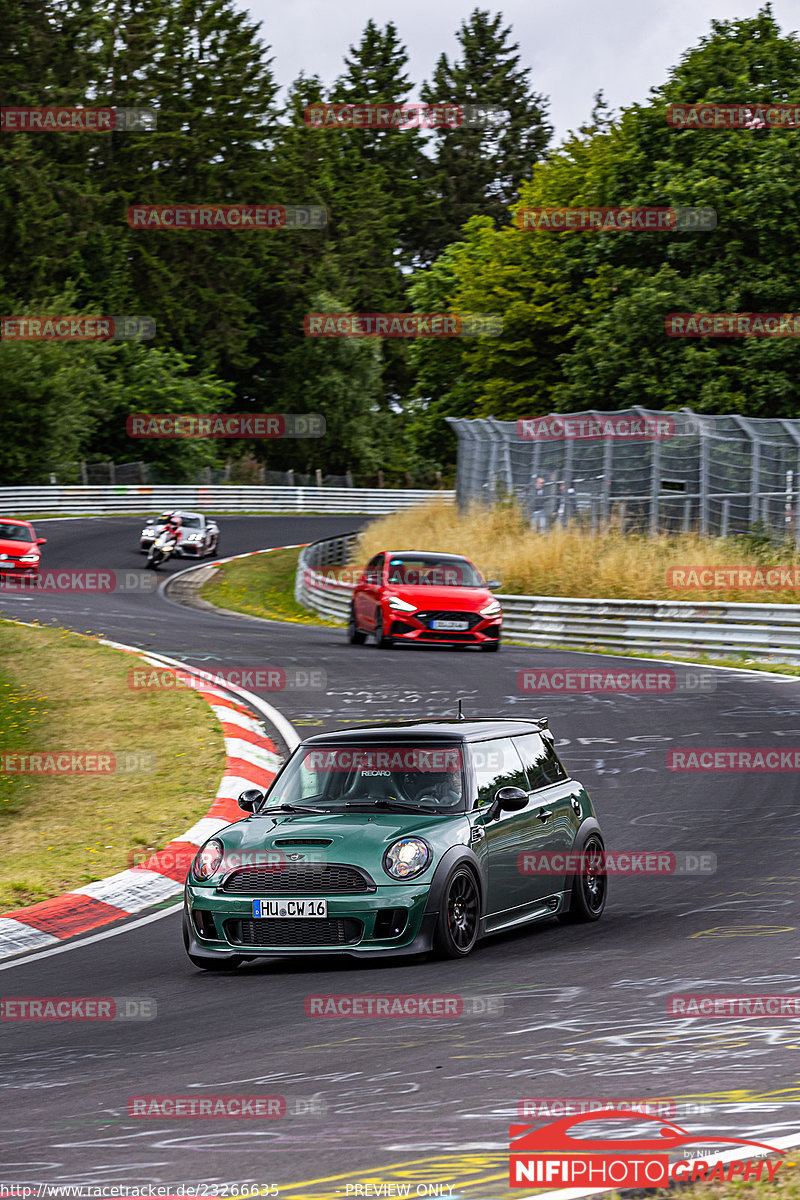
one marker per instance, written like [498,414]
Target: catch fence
[719,475]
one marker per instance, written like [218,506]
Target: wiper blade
[390,805]
[294,808]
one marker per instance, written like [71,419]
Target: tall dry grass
[570,562]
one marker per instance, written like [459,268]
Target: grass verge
[261,586]
[62,691]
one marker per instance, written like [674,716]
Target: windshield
[424,779]
[421,570]
[15,533]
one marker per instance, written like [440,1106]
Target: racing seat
[375,787]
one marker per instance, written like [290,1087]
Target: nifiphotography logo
[553,1155]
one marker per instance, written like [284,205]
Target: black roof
[445,729]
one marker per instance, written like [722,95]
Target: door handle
[544,814]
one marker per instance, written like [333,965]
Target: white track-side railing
[213,499]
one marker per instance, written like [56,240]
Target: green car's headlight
[406,858]
[207,860]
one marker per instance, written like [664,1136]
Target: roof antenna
[460,714]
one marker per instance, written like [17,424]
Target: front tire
[492,647]
[354,635]
[459,916]
[382,640]
[589,891]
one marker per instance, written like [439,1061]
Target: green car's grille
[289,879]
[312,931]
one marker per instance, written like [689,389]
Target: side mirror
[250,800]
[511,799]
[492,584]
[40,541]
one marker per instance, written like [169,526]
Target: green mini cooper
[395,840]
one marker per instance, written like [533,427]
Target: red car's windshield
[423,570]
[15,533]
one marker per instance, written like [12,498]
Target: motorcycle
[161,549]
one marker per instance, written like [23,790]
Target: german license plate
[454,625]
[290,908]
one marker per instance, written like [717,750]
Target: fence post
[687,515]
[318,476]
[112,474]
[380,478]
[608,453]
[726,509]
[84,475]
[703,442]
[348,476]
[655,486]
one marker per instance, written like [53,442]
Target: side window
[540,759]
[374,569]
[497,764]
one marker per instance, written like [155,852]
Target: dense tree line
[418,219]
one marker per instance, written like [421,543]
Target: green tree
[478,170]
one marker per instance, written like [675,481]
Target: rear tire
[459,916]
[589,892]
[354,635]
[382,641]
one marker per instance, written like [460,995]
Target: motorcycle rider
[173,528]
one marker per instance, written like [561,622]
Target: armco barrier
[761,631]
[213,498]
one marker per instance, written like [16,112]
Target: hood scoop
[301,841]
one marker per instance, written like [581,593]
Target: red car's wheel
[382,640]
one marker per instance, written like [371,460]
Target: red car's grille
[426,617]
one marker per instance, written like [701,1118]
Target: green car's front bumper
[392,920]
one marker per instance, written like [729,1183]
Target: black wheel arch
[454,857]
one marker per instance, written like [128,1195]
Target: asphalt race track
[584,1008]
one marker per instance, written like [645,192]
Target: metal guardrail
[768,631]
[212,498]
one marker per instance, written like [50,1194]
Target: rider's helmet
[175,521]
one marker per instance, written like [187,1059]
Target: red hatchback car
[19,547]
[426,598]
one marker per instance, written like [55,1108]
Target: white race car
[200,534]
